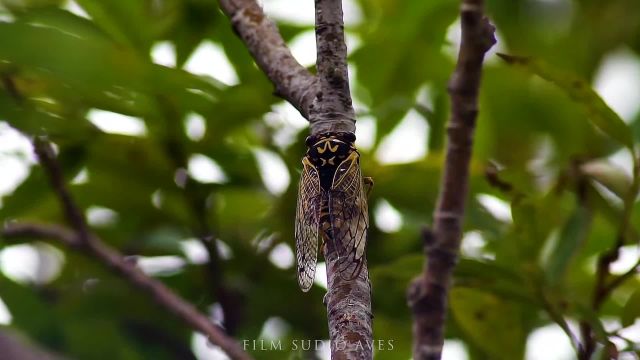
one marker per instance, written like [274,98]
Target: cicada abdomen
[332,207]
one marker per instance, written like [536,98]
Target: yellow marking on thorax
[327,145]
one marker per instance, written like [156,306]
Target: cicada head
[330,149]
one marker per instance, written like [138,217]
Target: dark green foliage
[540,125]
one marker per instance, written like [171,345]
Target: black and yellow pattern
[332,206]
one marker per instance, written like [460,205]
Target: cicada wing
[349,217]
[307,224]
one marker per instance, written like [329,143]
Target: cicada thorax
[326,152]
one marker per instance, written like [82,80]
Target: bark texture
[332,109]
[427,295]
[324,99]
[292,81]
[348,302]
[349,314]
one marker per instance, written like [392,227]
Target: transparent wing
[349,217]
[307,224]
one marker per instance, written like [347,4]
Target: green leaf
[409,35]
[479,314]
[503,282]
[31,313]
[598,112]
[572,236]
[126,21]
[631,310]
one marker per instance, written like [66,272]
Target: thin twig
[428,294]
[81,239]
[603,288]
[196,201]
[619,280]
[47,158]
[558,318]
[292,81]
[17,230]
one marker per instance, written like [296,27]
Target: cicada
[332,207]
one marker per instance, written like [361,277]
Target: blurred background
[183,160]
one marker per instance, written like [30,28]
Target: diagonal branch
[428,294]
[47,158]
[81,239]
[116,262]
[332,110]
[196,200]
[292,81]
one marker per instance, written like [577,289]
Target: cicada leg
[368,183]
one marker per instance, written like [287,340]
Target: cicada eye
[350,137]
[309,140]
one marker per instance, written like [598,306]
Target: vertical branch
[196,201]
[348,301]
[332,109]
[427,295]
[349,313]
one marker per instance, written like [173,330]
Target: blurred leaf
[197,21]
[88,67]
[32,313]
[568,243]
[478,314]
[580,91]
[241,210]
[631,311]
[55,67]
[489,277]
[121,19]
[409,35]
[392,339]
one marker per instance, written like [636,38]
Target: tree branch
[116,262]
[196,200]
[349,313]
[81,239]
[47,158]
[332,110]
[603,287]
[348,301]
[427,295]
[292,81]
